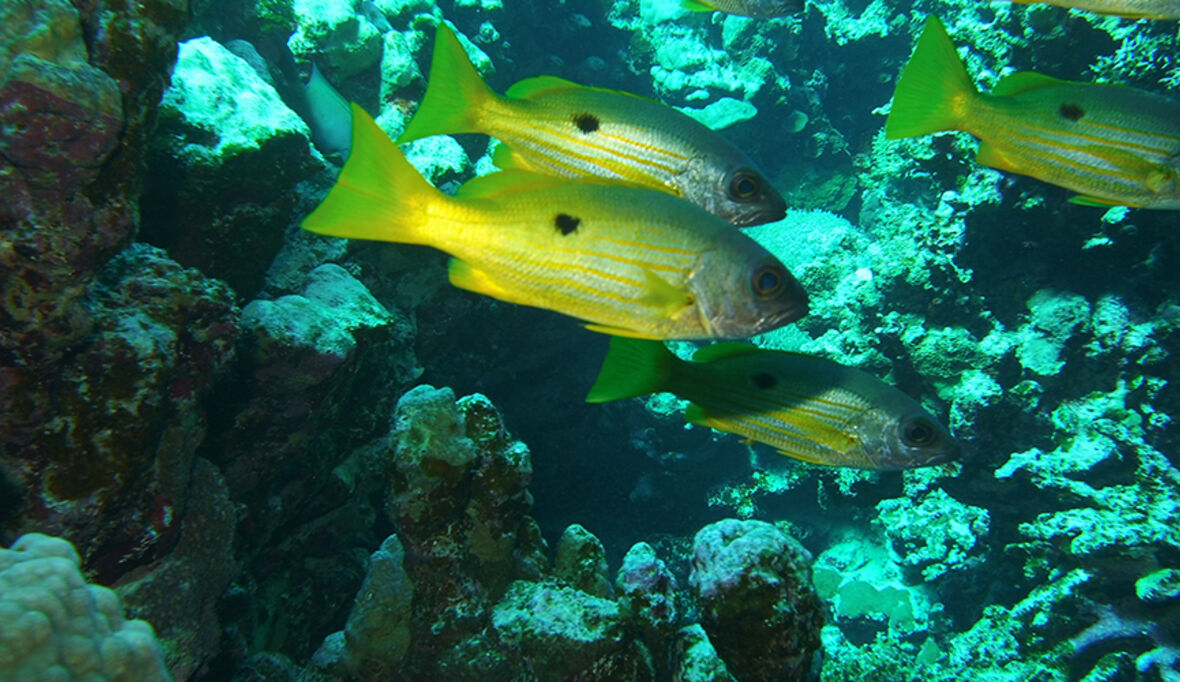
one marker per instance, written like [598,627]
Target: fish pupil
[767,281]
[764,380]
[743,186]
[918,432]
[586,123]
[566,224]
[1071,111]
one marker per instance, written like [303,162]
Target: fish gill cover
[309,458]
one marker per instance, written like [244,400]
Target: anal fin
[464,276]
[621,331]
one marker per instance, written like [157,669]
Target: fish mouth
[760,217]
[797,303]
[797,310]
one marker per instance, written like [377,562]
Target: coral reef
[240,452]
[58,627]
[221,124]
[110,464]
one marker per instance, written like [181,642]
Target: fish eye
[767,280]
[918,433]
[744,185]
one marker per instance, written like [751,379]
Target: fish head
[735,191]
[743,291]
[891,439]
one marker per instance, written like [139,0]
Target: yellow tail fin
[632,367]
[378,195]
[932,89]
[454,94]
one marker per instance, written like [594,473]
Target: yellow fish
[1130,9]
[759,9]
[556,127]
[625,259]
[809,408]
[1114,145]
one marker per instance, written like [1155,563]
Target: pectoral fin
[660,293]
[810,459]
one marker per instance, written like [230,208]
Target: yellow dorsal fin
[504,182]
[531,87]
[717,351]
[1024,81]
[543,85]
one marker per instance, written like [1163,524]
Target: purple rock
[758,605]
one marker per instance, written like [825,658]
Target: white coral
[58,627]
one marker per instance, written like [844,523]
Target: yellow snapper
[759,9]
[1130,9]
[625,259]
[553,126]
[1114,145]
[809,408]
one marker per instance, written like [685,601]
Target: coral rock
[57,627]
[565,633]
[377,635]
[757,602]
[581,562]
[647,592]
[222,164]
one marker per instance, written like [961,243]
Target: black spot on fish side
[586,123]
[566,224]
[764,380]
[1071,111]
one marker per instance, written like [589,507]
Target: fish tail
[378,195]
[454,95]
[632,367]
[329,115]
[933,88]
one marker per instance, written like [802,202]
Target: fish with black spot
[626,260]
[807,407]
[757,9]
[1114,145]
[557,127]
[1129,9]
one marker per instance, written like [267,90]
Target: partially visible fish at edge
[1128,9]
[1114,145]
[758,9]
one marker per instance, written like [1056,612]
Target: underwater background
[304,458]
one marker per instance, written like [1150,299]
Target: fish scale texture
[59,628]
